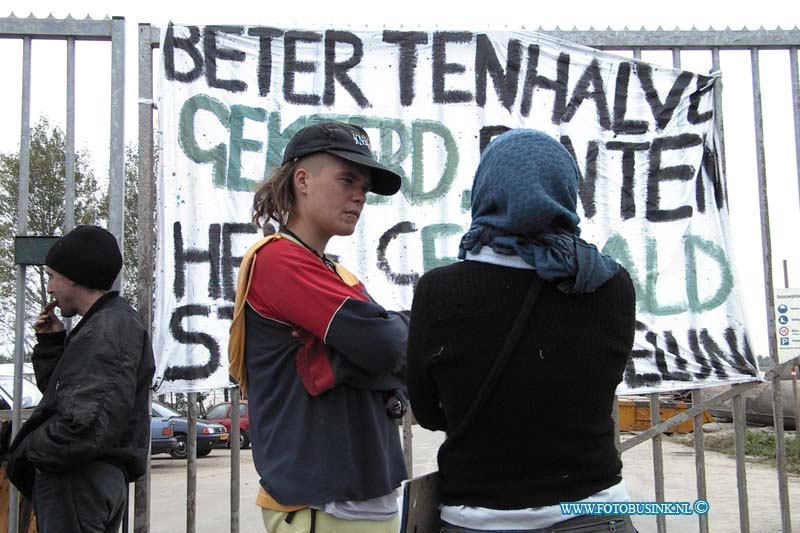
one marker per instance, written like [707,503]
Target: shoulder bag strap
[508,347]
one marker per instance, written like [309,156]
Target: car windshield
[31,396]
[218,411]
[164,411]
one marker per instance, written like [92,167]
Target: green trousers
[275,522]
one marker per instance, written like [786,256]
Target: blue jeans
[90,499]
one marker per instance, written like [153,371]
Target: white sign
[787,323]
[651,189]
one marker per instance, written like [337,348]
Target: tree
[46,212]
[131,230]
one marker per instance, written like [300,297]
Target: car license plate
[224,436]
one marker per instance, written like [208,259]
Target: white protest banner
[651,191]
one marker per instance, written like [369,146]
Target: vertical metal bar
[785,274]
[615,416]
[116,179]
[191,463]
[141,492]
[795,397]
[235,459]
[22,229]
[145,232]
[22,225]
[718,119]
[796,113]
[146,165]
[658,459]
[408,451]
[766,243]
[676,57]
[69,156]
[739,437]
[700,458]
[795,108]
[125,516]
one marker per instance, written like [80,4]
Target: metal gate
[675,42]
[28,30]
[713,43]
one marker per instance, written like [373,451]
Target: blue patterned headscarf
[524,199]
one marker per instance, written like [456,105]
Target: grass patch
[759,445]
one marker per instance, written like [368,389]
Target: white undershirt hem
[530,518]
[487,255]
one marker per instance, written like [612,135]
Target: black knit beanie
[87,255]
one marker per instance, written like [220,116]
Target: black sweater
[545,435]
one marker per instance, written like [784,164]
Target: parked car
[7,369]
[31,395]
[221,414]
[209,434]
[162,436]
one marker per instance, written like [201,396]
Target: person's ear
[300,179]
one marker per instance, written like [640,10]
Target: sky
[580,13]
[444,14]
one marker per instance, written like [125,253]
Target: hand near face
[47,321]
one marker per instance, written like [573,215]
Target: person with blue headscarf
[544,433]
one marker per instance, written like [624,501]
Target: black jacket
[545,433]
[96,383]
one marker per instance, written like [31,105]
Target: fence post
[22,229]
[739,435]
[116,178]
[700,458]
[191,463]
[235,459]
[766,240]
[408,443]
[146,232]
[658,459]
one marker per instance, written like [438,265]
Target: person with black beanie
[90,434]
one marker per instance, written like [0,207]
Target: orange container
[634,414]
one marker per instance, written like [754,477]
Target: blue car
[162,436]
[209,434]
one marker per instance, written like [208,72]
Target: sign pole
[795,368]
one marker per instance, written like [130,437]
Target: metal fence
[28,30]
[715,43]
[635,42]
[675,42]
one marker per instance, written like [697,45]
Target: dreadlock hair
[274,198]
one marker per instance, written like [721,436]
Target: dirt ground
[168,485]
[681,485]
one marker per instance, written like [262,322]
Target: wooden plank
[27,521]
[420,513]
